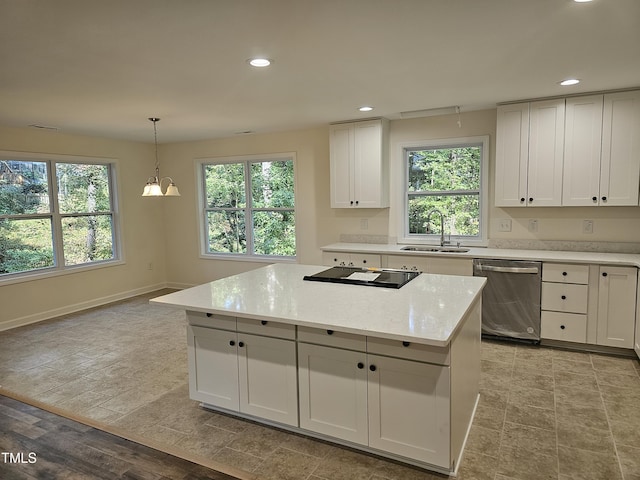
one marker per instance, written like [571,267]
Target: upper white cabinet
[529,143]
[620,171]
[359,164]
[602,150]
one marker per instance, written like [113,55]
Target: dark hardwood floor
[36,444]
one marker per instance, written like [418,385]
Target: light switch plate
[533,225]
[587,226]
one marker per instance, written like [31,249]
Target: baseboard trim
[176,452]
[77,307]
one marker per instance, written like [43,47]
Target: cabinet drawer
[562,297]
[267,328]
[408,350]
[348,341]
[565,273]
[211,320]
[570,327]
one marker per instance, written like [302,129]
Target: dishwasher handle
[491,268]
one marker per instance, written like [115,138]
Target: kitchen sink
[427,248]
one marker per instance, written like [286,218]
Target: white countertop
[499,253]
[426,310]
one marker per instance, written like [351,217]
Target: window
[40,230]
[248,207]
[446,179]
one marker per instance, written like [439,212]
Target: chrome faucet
[442,242]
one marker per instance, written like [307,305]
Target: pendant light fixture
[153,188]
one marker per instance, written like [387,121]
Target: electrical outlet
[364,224]
[504,225]
[150,266]
[533,225]
[587,226]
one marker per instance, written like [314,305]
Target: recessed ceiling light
[569,81]
[365,108]
[259,62]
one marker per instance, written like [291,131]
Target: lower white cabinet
[341,259]
[431,264]
[333,392]
[391,404]
[407,399]
[617,306]
[252,374]
[636,343]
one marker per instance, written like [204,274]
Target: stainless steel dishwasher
[511,298]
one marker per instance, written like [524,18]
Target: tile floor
[544,413]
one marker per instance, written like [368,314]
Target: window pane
[23,187]
[438,170]
[224,185]
[25,245]
[87,239]
[272,184]
[83,188]
[274,233]
[461,214]
[226,232]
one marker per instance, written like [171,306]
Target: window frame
[203,210]
[404,236]
[56,217]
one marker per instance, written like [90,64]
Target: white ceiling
[101,67]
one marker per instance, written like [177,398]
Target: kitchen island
[393,372]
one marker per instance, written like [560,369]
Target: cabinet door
[546,145]
[617,306]
[409,412]
[512,155]
[333,392]
[213,366]
[582,147]
[370,187]
[267,378]
[341,155]
[620,172]
[636,344]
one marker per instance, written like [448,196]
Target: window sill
[13,278]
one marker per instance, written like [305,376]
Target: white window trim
[118,247]
[200,195]
[403,228]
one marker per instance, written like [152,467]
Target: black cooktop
[372,277]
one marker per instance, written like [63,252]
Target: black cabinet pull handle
[364,261]
[329,332]
[406,344]
[372,368]
[357,202]
[604,274]
[522,199]
[595,199]
[232,343]
[564,297]
[241,344]
[564,274]
[263,322]
[351,202]
[530,199]
[562,327]
[360,365]
[604,199]
[209,315]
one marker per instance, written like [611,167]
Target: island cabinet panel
[333,392]
[407,399]
[267,378]
[216,386]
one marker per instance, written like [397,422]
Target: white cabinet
[359,164]
[444,265]
[583,144]
[386,398]
[529,153]
[620,171]
[333,392]
[342,259]
[253,374]
[405,400]
[636,344]
[602,150]
[617,306]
